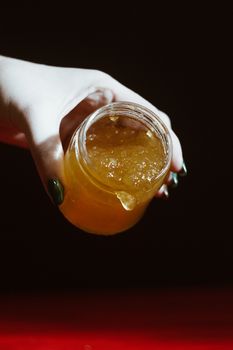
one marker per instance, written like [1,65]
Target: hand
[42,105]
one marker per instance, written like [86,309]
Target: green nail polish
[174,181]
[56,191]
[183,171]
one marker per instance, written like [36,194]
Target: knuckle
[165,118]
[101,74]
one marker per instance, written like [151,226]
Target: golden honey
[116,161]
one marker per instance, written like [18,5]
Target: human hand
[42,105]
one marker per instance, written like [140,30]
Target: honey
[117,160]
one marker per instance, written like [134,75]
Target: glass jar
[117,160]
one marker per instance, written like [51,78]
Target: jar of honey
[117,160]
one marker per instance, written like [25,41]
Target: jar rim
[148,118]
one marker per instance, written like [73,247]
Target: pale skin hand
[41,105]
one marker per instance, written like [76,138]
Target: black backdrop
[174,59]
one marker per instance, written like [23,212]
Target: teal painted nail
[183,171]
[56,191]
[174,181]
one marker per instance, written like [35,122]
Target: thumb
[46,149]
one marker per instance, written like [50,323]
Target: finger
[162,192]
[87,106]
[97,99]
[123,93]
[43,136]
[46,148]
[172,180]
[177,156]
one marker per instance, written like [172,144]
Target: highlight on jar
[117,160]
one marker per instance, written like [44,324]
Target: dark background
[174,57]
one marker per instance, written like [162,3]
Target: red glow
[146,320]
[104,342]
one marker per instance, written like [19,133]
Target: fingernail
[183,171]
[174,180]
[56,191]
[165,193]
